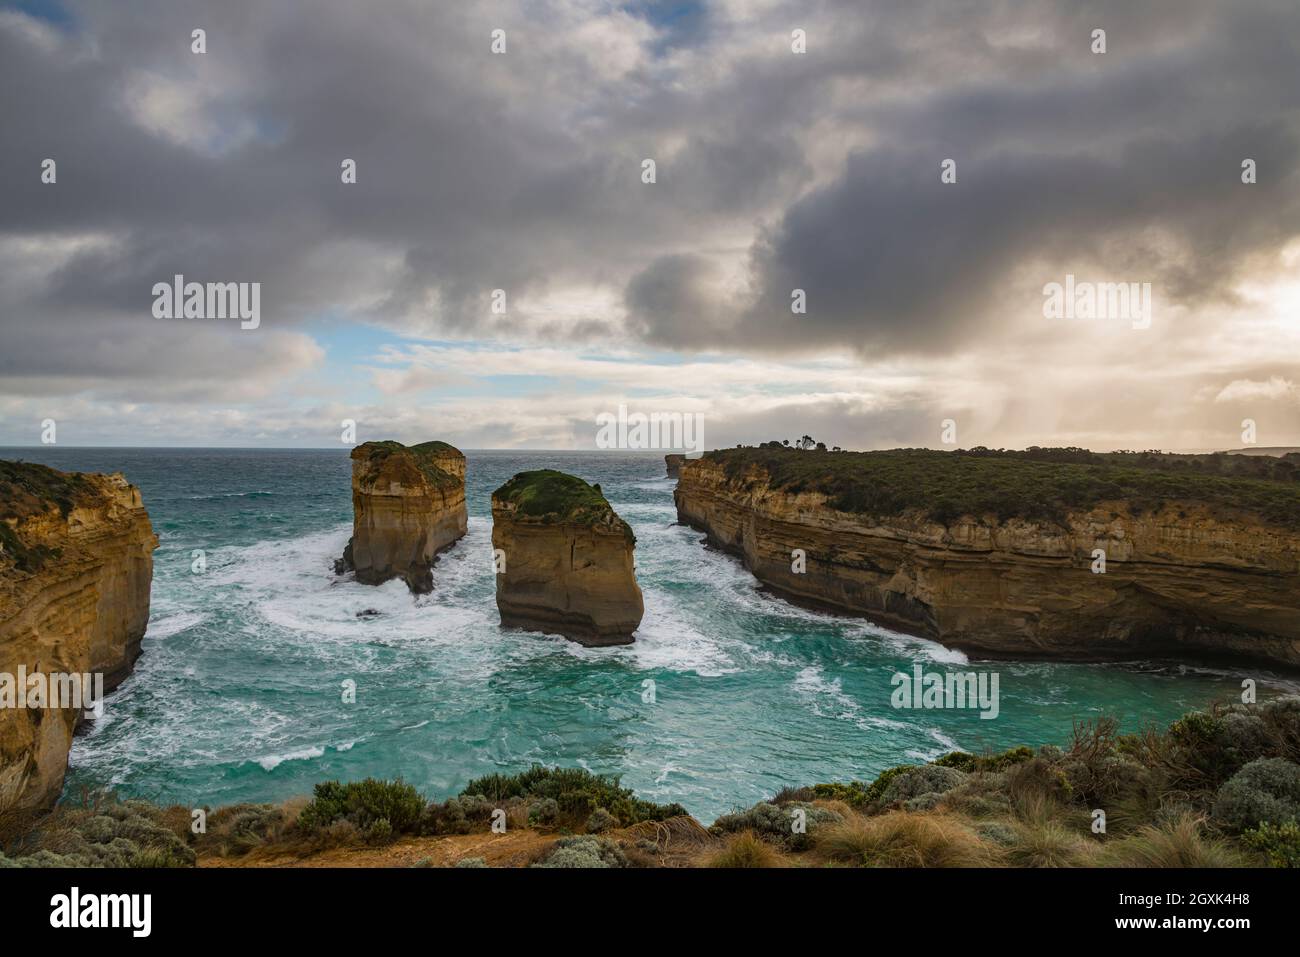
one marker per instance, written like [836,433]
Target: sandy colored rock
[568,560]
[674,463]
[408,504]
[75,573]
[1180,581]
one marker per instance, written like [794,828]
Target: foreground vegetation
[1036,484]
[1219,788]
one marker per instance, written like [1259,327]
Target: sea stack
[674,462]
[408,504]
[564,560]
[76,564]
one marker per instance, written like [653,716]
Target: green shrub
[378,831]
[109,833]
[853,794]
[458,815]
[364,804]
[777,823]
[586,850]
[471,862]
[877,787]
[1280,843]
[576,792]
[544,811]
[601,821]
[1267,789]
[912,783]
[964,761]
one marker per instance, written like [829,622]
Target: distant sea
[237,696]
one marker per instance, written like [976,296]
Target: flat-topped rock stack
[408,504]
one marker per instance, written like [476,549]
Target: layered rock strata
[408,505]
[1181,580]
[76,565]
[564,560]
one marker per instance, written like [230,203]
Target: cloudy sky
[775,171]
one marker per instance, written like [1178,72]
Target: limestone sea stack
[408,504]
[564,560]
[76,565]
[674,462]
[1002,556]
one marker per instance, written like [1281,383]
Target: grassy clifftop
[27,489]
[1034,484]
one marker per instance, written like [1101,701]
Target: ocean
[238,695]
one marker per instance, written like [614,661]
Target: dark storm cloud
[1125,166]
[522,172]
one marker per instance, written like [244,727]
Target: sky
[922,171]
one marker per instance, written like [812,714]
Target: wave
[169,625]
[273,761]
[261,493]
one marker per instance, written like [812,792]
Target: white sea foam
[166,626]
[273,761]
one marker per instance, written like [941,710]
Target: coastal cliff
[1200,568]
[673,462]
[408,504]
[75,572]
[564,560]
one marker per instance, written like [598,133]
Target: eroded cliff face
[673,462]
[408,504]
[74,599]
[572,578]
[1178,582]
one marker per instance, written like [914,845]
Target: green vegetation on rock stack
[1034,484]
[551,496]
[425,455]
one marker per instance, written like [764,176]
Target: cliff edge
[998,556]
[76,565]
[408,504]
[564,560]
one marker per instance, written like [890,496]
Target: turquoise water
[237,696]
